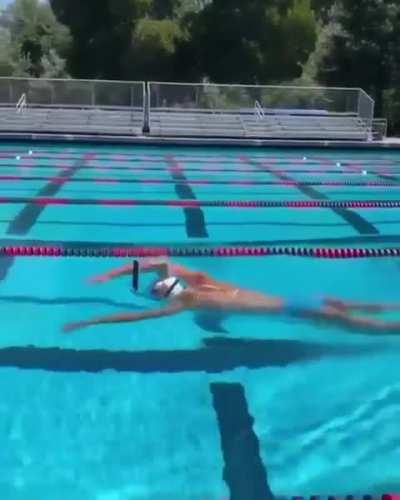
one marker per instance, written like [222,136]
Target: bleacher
[270,126]
[112,121]
[338,127]
[259,112]
[71,106]
[160,109]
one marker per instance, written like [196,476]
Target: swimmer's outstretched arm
[161,267]
[125,317]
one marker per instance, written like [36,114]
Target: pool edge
[202,141]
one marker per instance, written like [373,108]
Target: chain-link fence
[175,106]
[211,97]
[281,110]
[74,93]
[80,106]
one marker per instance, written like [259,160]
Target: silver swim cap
[167,288]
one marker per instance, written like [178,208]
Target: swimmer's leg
[359,323]
[210,321]
[368,307]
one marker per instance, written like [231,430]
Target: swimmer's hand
[78,325]
[101,278]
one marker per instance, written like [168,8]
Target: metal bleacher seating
[270,126]
[123,121]
[259,112]
[205,110]
[67,106]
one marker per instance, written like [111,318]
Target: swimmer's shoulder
[193,297]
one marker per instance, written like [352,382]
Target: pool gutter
[389,143]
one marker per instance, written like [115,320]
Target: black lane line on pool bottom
[244,471]
[219,354]
[63,301]
[358,223]
[28,216]
[194,217]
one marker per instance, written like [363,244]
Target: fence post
[146,108]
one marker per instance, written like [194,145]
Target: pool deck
[388,143]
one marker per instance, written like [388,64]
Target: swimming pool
[163,409]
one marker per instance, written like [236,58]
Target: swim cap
[164,289]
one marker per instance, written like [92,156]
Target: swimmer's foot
[72,327]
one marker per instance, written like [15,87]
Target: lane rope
[129,157]
[217,251]
[200,182]
[352,171]
[304,204]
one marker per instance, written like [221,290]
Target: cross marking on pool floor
[356,221]
[27,217]
[194,216]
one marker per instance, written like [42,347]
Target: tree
[152,50]
[101,30]
[322,8]
[32,38]
[362,47]
[116,39]
[255,41]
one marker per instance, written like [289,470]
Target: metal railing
[258,110]
[379,129]
[65,105]
[73,93]
[208,96]
[366,108]
[175,106]
[21,104]
[217,109]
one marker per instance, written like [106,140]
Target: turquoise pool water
[162,409]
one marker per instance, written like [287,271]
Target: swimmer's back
[233,299]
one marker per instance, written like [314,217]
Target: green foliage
[322,8]
[362,48]
[152,50]
[339,42]
[251,42]
[32,40]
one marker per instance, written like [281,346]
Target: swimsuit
[294,306]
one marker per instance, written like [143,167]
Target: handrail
[379,128]
[293,87]
[258,110]
[21,104]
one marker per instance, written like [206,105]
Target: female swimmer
[180,289]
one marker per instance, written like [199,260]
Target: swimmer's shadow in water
[217,355]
